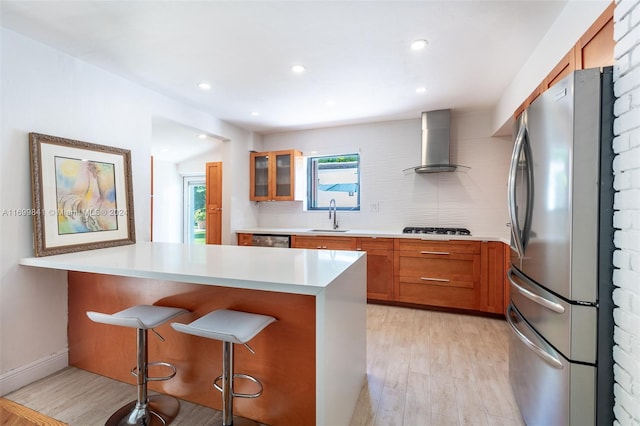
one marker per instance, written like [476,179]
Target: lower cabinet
[379,258]
[492,280]
[322,242]
[456,274]
[438,273]
[379,267]
[245,239]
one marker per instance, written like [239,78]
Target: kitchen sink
[328,230]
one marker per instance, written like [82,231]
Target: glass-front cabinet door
[272,175]
[259,176]
[284,175]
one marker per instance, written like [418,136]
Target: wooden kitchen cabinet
[323,242]
[507,286]
[458,274]
[272,175]
[379,267]
[438,273]
[594,49]
[492,277]
[379,259]
[245,239]
[565,67]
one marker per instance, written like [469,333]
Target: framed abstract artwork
[82,195]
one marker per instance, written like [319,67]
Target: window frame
[312,182]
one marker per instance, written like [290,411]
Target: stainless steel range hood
[435,144]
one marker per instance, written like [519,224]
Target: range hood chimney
[435,144]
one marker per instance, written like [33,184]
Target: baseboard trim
[29,373]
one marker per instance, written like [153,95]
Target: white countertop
[366,233]
[259,268]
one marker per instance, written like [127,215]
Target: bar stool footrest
[241,395]
[134,371]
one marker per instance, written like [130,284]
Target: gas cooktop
[433,230]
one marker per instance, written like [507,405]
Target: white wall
[575,19]
[168,211]
[197,164]
[475,199]
[626,277]
[44,90]
[167,202]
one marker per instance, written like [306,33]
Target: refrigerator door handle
[511,193]
[542,301]
[544,351]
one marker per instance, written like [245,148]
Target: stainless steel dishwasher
[264,240]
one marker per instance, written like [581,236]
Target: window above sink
[334,177]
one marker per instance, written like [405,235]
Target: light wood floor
[435,368]
[423,368]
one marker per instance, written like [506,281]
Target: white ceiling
[356,53]
[174,142]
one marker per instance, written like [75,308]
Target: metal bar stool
[145,410]
[230,327]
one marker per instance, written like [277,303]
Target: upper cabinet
[272,175]
[594,49]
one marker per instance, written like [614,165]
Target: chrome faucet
[335,213]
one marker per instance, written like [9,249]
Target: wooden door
[213,184]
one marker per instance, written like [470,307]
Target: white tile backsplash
[475,199]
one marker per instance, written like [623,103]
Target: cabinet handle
[440,280]
[436,252]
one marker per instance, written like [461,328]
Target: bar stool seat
[230,327]
[145,410]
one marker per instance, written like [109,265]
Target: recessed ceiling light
[165,150]
[255,113]
[202,136]
[203,85]
[419,44]
[330,102]
[298,69]
[421,89]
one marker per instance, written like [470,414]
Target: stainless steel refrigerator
[560,204]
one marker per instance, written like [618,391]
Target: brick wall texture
[626,220]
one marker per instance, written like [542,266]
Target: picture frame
[82,195]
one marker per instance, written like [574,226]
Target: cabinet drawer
[450,246]
[452,271]
[367,244]
[328,243]
[451,280]
[436,295]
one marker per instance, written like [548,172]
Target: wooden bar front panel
[285,359]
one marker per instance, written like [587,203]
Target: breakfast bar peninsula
[312,361]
